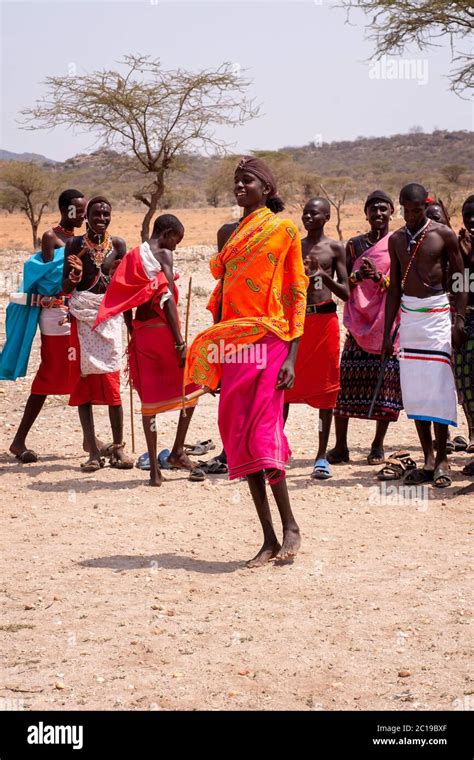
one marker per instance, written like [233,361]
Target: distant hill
[6,155]
[356,166]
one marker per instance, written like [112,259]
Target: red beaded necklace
[59,230]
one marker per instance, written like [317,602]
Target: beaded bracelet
[355,277]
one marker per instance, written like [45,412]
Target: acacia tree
[28,187]
[336,199]
[395,25]
[152,115]
[453,172]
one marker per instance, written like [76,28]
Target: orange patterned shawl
[262,288]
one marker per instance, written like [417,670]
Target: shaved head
[323,203]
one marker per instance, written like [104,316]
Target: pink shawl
[364,312]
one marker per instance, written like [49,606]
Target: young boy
[317,364]
[145,280]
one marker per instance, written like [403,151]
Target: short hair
[413,193]
[168,222]
[469,200]
[378,195]
[319,199]
[64,200]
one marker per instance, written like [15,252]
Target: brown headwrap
[257,167]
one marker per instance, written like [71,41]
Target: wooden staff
[186,332]
[381,376]
[443,208]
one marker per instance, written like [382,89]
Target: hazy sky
[309,69]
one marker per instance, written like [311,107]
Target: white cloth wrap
[152,266]
[426,375]
[101,349]
[50,322]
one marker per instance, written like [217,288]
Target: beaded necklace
[59,230]
[417,243]
[97,251]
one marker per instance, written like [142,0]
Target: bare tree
[396,25]
[28,187]
[337,202]
[153,115]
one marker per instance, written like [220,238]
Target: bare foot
[26,456]
[98,444]
[181,461]
[291,544]
[17,449]
[156,480]
[268,551]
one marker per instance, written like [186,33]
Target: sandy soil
[200,224]
[119,596]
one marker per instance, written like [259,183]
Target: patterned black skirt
[464,368]
[359,374]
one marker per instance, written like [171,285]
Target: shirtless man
[420,253]
[52,377]
[90,261]
[145,280]
[317,363]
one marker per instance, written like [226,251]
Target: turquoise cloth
[22,321]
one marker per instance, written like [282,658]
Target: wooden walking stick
[381,376]
[445,212]
[186,332]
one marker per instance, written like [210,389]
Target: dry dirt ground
[119,596]
[200,224]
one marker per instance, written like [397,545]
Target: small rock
[29,606]
[59,685]
[404,673]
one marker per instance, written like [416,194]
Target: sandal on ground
[143,461]
[28,456]
[376,456]
[470,449]
[162,459]
[417,476]
[396,466]
[214,466]
[200,448]
[334,458]
[468,469]
[441,479]
[321,470]
[197,475]
[460,443]
[450,447]
[119,464]
[93,464]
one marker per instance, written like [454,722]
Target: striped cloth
[426,375]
